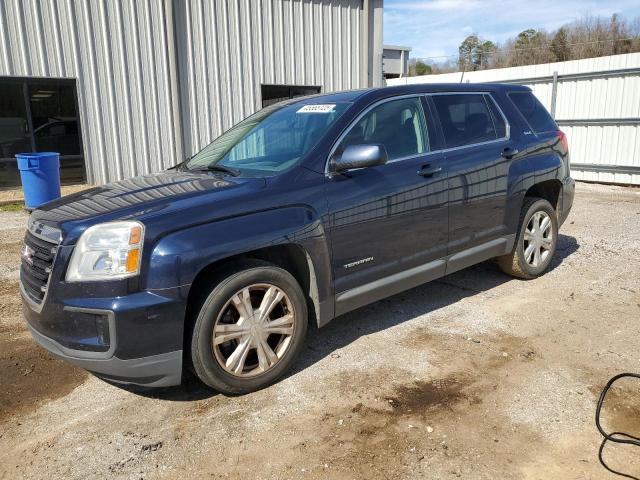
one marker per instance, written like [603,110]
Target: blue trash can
[40,175]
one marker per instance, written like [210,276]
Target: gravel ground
[476,375]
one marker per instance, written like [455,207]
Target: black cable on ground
[616,437]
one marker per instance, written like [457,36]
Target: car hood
[143,198]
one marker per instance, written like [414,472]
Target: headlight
[107,251]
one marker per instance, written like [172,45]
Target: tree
[621,43]
[525,38]
[419,67]
[531,47]
[466,52]
[473,53]
[422,68]
[486,51]
[560,46]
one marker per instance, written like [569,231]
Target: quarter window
[466,119]
[534,113]
[399,125]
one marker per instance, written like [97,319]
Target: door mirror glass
[359,156]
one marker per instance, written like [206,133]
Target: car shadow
[191,389]
[412,303]
[372,319]
[565,247]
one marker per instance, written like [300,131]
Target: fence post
[554,94]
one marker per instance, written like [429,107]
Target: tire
[518,263]
[245,334]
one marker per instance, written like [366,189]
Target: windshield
[269,141]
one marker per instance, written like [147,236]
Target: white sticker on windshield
[326,108]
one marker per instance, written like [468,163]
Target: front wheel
[536,241]
[249,330]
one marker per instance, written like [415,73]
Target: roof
[396,47]
[382,92]
[352,95]
[449,87]
[416,88]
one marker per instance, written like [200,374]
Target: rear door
[476,134]
[386,220]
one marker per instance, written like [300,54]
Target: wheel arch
[292,257]
[549,190]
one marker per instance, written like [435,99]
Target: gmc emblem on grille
[35,227]
[27,254]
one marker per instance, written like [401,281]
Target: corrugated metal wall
[229,48]
[579,102]
[121,53]
[117,53]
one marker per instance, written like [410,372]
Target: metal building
[395,61]
[126,87]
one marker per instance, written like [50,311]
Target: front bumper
[162,370]
[135,339]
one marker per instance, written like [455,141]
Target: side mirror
[359,156]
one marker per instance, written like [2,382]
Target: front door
[388,224]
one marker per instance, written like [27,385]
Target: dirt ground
[474,376]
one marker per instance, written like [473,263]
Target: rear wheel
[249,330]
[536,241]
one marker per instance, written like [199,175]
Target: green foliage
[419,67]
[487,48]
[12,207]
[474,52]
[422,68]
[526,37]
[467,52]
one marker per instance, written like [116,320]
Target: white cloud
[437,27]
[437,5]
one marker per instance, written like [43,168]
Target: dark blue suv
[302,212]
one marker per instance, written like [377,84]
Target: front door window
[397,124]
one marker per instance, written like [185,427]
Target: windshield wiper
[179,166]
[216,168]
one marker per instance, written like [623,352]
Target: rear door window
[466,119]
[533,112]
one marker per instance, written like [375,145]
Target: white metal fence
[595,101]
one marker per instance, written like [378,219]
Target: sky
[434,28]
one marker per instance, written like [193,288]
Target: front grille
[36,261]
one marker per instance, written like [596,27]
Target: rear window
[466,119]
[534,113]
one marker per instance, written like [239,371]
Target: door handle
[509,152]
[428,171]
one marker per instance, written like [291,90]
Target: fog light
[102,330]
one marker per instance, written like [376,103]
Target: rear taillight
[563,140]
